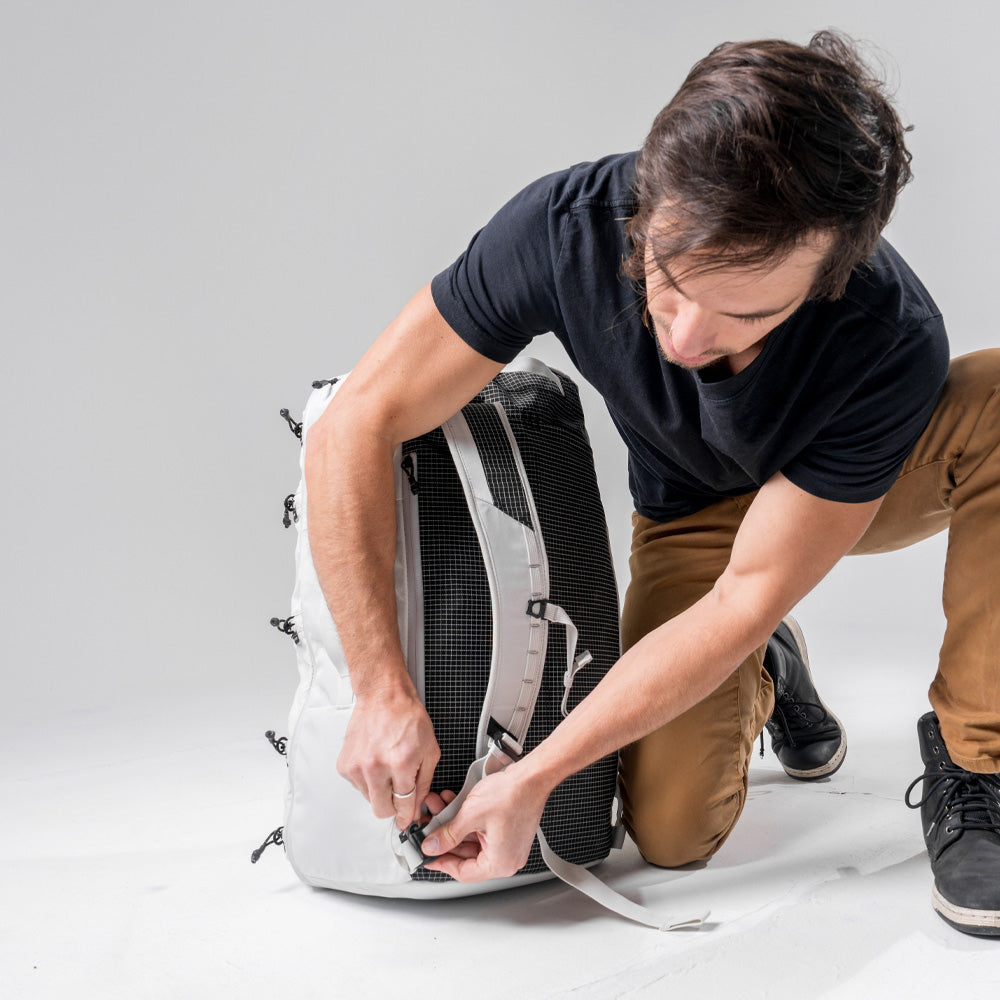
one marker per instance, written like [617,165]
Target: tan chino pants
[684,785]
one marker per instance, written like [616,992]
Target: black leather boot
[806,737]
[960,811]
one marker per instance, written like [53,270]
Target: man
[779,377]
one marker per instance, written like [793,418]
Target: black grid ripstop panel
[549,430]
[498,461]
[458,622]
[555,450]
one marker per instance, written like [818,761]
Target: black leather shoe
[806,737]
[960,811]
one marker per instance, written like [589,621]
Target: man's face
[724,316]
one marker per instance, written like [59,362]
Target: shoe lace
[970,801]
[797,717]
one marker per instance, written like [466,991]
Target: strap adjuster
[537,607]
[412,838]
[503,741]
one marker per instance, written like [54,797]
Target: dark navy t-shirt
[835,400]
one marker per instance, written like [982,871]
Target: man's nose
[689,332]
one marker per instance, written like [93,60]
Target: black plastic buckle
[503,741]
[536,607]
[414,833]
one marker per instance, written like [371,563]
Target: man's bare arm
[787,543]
[416,375]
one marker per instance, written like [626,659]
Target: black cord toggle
[272,838]
[294,425]
[285,625]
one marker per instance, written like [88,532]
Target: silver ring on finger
[405,795]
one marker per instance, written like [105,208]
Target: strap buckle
[503,741]
[412,839]
[537,607]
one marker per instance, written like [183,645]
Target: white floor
[125,873]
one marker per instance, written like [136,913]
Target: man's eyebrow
[760,314]
[763,314]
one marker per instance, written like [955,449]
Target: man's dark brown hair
[764,144]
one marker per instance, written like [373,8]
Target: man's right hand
[390,753]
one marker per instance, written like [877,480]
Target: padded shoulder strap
[514,555]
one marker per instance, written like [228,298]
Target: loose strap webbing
[553,613]
[575,876]
[590,885]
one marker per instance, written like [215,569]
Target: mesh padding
[555,450]
[498,462]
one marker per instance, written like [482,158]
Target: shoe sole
[982,923]
[833,764]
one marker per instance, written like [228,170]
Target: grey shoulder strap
[516,566]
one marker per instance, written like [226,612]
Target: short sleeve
[501,292]
[857,455]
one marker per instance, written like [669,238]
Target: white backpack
[508,618]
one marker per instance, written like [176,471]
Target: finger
[467,849]
[423,785]
[351,774]
[404,802]
[461,869]
[380,795]
[448,836]
[434,803]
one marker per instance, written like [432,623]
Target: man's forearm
[352,536]
[416,375]
[663,675]
[786,545]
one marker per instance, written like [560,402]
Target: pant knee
[672,834]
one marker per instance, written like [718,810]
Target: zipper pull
[294,425]
[281,745]
[272,838]
[291,514]
[319,383]
[407,466]
[285,625]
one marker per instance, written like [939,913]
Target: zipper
[410,524]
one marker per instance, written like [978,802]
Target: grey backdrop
[207,205]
